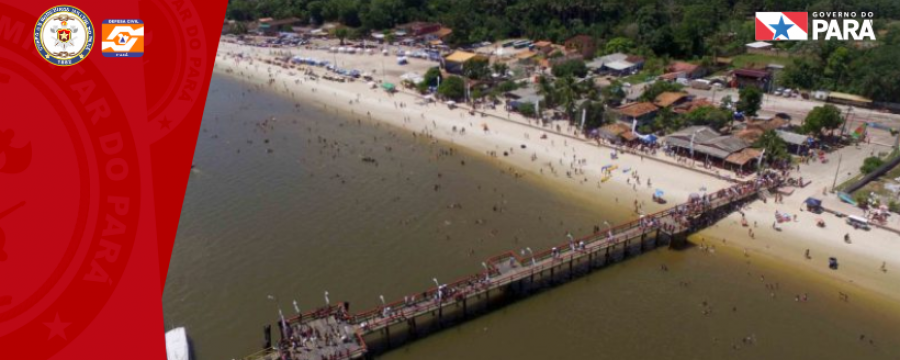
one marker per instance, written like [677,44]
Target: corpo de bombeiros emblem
[64,35]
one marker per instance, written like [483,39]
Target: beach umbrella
[694,196]
[658,193]
[388,86]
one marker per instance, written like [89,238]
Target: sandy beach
[563,160]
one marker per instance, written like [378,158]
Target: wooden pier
[333,333]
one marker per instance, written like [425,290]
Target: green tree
[726,103]
[383,14]
[774,146]
[875,74]
[613,94]
[801,73]
[750,100]
[476,69]
[546,90]
[837,65]
[619,45]
[341,33]
[241,10]
[453,88]
[500,68]
[573,67]
[389,37]
[871,164]
[507,86]
[566,93]
[822,118]
[432,76]
[595,114]
[527,109]
[713,117]
[666,121]
[239,28]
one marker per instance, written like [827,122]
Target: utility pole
[846,120]
[836,172]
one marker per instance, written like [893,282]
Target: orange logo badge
[123,38]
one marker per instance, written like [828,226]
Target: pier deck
[332,333]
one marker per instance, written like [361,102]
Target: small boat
[177,344]
[606,178]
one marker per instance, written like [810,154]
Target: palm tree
[566,90]
[773,145]
[545,89]
[500,68]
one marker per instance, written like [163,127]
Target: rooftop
[606,59]
[848,97]
[792,138]
[744,156]
[460,56]
[680,66]
[759,45]
[692,105]
[442,32]
[637,109]
[619,65]
[668,98]
[751,73]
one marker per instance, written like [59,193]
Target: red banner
[103,102]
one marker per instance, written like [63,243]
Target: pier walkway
[333,333]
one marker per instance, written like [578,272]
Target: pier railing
[510,267]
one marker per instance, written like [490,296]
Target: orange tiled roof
[637,109]
[668,98]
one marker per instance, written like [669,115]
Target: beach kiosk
[814,205]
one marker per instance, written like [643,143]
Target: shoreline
[859,266]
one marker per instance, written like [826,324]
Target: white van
[858,222]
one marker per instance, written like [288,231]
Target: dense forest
[675,29]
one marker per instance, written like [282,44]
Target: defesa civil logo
[123,38]
[827,25]
[63,35]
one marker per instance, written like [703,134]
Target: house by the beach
[616,64]
[683,70]
[419,28]
[704,143]
[454,63]
[691,105]
[670,99]
[642,112]
[751,77]
[271,27]
[617,133]
[523,96]
[440,34]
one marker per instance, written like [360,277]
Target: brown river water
[281,207]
